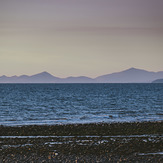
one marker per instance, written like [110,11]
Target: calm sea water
[27,104]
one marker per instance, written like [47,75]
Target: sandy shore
[102,142]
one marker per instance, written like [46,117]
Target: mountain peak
[132,69]
[44,73]
[4,76]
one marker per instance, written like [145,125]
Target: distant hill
[158,81]
[44,77]
[131,75]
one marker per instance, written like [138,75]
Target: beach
[93,142]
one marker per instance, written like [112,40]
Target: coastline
[100,129]
[94,142]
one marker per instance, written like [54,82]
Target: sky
[80,37]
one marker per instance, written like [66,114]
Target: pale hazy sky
[80,37]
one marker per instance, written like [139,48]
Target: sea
[50,104]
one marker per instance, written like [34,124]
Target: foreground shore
[101,142]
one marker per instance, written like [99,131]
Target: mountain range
[158,81]
[131,75]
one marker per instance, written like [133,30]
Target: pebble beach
[93,142]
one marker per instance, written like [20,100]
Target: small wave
[15,146]
[157,153]
[60,119]
[159,113]
[84,136]
[84,117]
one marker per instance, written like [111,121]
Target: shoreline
[97,142]
[102,129]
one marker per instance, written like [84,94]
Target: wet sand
[101,142]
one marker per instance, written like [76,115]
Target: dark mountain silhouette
[158,81]
[131,75]
[43,77]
